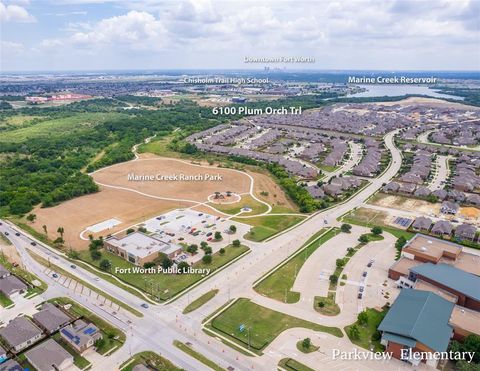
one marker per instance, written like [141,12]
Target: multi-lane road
[162,324]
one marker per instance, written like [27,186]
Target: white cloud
[14,13]
[9,47]
[136,29]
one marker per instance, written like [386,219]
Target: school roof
[48,356]
[431,246]
[419,316]
[449,276]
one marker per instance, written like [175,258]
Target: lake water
[398,90]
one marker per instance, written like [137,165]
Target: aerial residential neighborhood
[223,185]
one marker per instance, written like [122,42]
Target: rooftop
[18,331]
[431,246]
[452,277]
[50,317]
[48,355]
[422,316]
[466,319]
[141,245]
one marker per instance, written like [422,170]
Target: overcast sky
[151,34]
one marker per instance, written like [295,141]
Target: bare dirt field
[470,213]
[405,203]
[77,214]
[420,100]
[197,190]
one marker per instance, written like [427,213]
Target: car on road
[6,233]
[364,274]
[370,263]
[17,234]
[209,238]
[361,289]
[54,275]
[360,295]
[33,243]
[1,223]
[73,266]
[15,264]
[144,305]
[97,279]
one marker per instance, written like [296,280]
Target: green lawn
[59,126]
[371,218]
[292,365]
[366,331]
[163,286]
[199,357]
[246,201]
[151,359]
[329,308]
[197,303]
[113,336]
[5,300]
[266,226]
[278,284]
[261,325]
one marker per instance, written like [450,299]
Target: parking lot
[186,226]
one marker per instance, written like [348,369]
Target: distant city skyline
[98,35]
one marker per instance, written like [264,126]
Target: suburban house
[49,356]
[11,286]
[391,187]
[449,207]
[417,321]
[442,228]
[11,365]
[50,318]
[20,333]
[422,224]
[139,248]
[81,335]
[465,232]
[441,194]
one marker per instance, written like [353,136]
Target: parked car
[364,274]
[17,234]
[200,214]
[54,275]
[209,238]
[33,243]
[369,264]
[15,264]
[73,266]
[361,288]
[6,233]
[360,295]
[144,305]
[209,234]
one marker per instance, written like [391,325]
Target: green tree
[362,318]
[148,265]
[363,238]
[182,267]
[306,343]
[236,243]
[207,258]
[166,263]
[192,249]
[221,251]
[346,228]
[333,278]
[218,236]
[44,227]
[130,230]
[31,217]
[233,228]
[340,263]
[377,231]
[401,241]
[203,244]
[142,229]
[354,332]
[95,254]
[105,264]
[208,250]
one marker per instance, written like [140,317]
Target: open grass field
[261,325]
[58,127]
[266,189]
[150,359]
[371,218]
[266,226]
[164,286]
[196,190]
[77,214]
[18,120]
[279,283]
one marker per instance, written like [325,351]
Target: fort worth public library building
[439,300]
